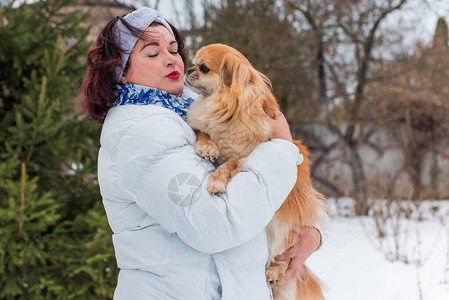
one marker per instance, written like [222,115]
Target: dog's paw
[207,150]
[216,185]
[274,274]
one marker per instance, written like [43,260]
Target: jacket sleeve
[169,183]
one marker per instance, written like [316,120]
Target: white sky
[420,15]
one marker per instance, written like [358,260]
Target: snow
[356,264]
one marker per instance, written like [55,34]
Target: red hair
[103,59]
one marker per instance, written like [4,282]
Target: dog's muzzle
[190,77]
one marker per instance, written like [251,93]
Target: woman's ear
[123,79]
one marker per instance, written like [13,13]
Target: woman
[172,239]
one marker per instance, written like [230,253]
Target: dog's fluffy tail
[309,287]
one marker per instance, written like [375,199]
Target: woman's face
[155,62]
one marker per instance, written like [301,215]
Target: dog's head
[223,73]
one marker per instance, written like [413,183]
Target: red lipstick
[173,75]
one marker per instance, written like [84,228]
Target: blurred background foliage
[350,86]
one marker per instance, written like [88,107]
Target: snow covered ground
[410,262]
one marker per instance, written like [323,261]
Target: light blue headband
[139,19]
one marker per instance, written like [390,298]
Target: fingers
[296,252]
[290,253]
[313,237]
[276,118]
[281,116]
[309,239]
[280,127]
[294,268]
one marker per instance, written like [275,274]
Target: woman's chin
[175,90]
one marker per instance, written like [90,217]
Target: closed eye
[204,69]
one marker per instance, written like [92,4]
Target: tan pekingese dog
[229,120]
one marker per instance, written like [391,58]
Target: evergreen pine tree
[54,238]
[441,36]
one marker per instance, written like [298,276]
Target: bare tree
[327,64]
[353,27]
[260,32]
[413,103]
[321,20]
[153,4]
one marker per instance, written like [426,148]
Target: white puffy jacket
[172,239]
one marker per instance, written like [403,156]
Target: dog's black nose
[189,71]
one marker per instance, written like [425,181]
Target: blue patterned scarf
[142,95]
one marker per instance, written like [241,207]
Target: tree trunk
[359,180]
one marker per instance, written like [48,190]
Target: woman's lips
[173,75]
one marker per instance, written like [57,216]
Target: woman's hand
[309,241]
[280,128]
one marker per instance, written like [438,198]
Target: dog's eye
[204,69]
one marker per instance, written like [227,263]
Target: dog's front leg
[276,271]
[218,180]
[204,146]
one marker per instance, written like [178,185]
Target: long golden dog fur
[229,120]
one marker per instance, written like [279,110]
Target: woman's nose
[170,59]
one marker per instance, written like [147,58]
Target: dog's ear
[270,104]
[234,71]
[245,88]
